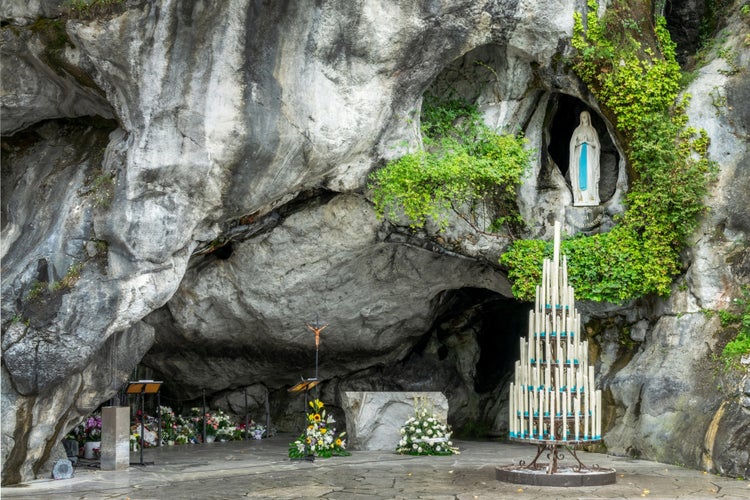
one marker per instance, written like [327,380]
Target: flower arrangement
[186,430]
[168,423]
[319,439]
[135,441]
[90,430]
[425,434]
[254,430]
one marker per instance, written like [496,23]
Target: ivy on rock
[628,63]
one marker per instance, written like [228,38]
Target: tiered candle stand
[553,400]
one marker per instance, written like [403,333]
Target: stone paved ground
[261,469]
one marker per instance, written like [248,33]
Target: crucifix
[316,329]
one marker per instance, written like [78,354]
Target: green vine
[464,168]
[740,345]
[635,79]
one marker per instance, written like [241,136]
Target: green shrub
[636,80]
[464,168]
[740,345]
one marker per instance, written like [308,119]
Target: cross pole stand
[143,387]
[316,329]
[307,384]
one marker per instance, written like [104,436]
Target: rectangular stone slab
[374,419]
[115,447]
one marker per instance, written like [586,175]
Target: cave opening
[496,322]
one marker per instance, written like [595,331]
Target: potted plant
[319,439]
[425,434]
[92,430]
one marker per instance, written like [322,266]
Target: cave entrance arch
[494,323]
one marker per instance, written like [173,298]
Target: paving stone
[261,469]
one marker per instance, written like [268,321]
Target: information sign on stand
[143,387]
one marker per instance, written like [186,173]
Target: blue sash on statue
[583,168]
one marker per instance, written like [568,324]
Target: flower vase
[89,447]
[210,438]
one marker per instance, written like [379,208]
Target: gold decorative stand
[553,400]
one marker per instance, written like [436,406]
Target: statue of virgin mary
[584,163]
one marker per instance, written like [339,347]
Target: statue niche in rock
[585,151]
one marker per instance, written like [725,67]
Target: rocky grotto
[185,186]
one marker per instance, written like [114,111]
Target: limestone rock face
[189,180]
[253,314]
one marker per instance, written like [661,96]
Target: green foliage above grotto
[628,63]
[464,168]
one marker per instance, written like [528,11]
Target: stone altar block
[374,419]
[115,447]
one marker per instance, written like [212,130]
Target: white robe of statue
[584,163]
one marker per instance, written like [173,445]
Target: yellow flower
[316,417]
[323,430]
[338,442]
[310,427]
[308,440]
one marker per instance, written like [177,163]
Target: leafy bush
[740,345]
[636,80]
[465,168]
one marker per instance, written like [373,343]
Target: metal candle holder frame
[553,391]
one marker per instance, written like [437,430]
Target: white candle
[512,410]
[565,416]
[525,395]
[531,325]
[555,278]
[537,321]
[541,414]
[548,345]
[585,419]
[591,391]
[552,413]
[522,420]
[599,414]
[577,410]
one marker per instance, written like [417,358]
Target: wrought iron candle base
[552,473]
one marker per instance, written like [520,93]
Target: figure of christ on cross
[317,329]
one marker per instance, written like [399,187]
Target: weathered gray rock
[376,296]
[45,82]
[374,419]
[242,122]
[26,11]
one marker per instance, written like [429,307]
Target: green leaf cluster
[636,80]
[740,345]
[464,167]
